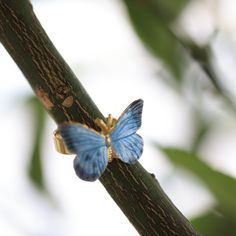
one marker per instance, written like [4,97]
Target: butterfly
[94,149]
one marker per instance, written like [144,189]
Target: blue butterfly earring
[93,149]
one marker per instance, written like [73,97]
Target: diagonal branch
[135,191]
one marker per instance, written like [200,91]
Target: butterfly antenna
[109,121]
[106,127]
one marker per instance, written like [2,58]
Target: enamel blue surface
[90,165]
[129,149]
[127,144]
[91,150]
[129,122]
[90,147]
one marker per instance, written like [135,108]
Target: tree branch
[135,191]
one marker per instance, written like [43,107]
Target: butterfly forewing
[129,121]
[90,148]
[126,143]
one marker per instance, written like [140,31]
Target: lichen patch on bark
[44,98]
[68,101]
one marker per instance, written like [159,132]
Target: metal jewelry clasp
[59,143]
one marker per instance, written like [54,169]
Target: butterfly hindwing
[90,165]
[90,148]
[126,143]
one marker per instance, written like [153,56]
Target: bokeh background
[180,57]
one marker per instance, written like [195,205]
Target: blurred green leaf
[150,20]
[153,22]
[204,56]
[167,10]
[201,132]
[35,170]
[214,224]
[222,186]
[202,126]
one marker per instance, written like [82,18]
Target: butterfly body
[117,139]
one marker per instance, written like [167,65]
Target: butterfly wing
[126,143]
[129,148]
[90,148]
